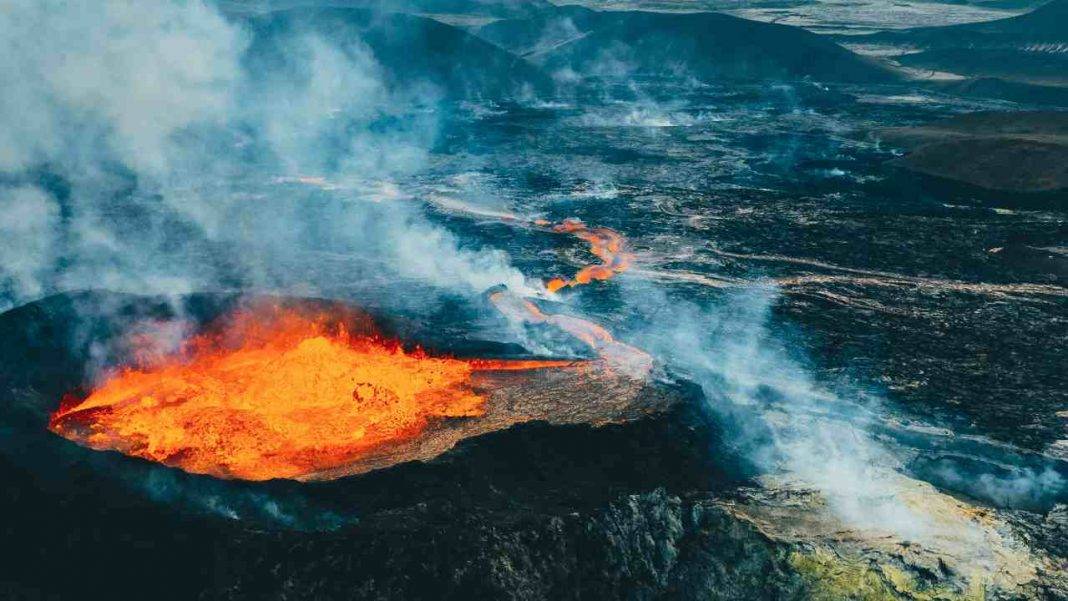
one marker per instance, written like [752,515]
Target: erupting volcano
[276,392]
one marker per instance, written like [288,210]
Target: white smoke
[780,417]
[28,234]
[477,270]
[147,127]
[115,77]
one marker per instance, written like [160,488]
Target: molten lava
[276,393]
[605,244]
[618,356]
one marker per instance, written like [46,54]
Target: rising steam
[148,147]
[780,417]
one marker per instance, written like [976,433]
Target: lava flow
[276,393]
[605,244]
[618,356]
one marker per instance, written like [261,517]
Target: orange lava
[605,244]
[276,393]
[618,356]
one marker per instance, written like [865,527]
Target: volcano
[485,299]
[490,444]
[575,475]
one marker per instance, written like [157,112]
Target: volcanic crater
[262,388]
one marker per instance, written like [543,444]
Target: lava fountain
[275,392]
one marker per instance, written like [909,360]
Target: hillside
[410,50]
[1017,152]
[1032,47]
[701,45]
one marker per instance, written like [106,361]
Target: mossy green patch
[833,578]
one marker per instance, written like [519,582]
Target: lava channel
[605,244]
[276,393]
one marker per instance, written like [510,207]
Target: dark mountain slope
[410,49]
[488,8]
[1048,22]
[1016,152]
[1001,89]
[707,46]
[1009,63]
[1032,47]
[542,31]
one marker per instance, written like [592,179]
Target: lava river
[605,244]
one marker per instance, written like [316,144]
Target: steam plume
[149,147]
[784,421]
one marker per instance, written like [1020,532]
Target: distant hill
[540,32]
[496,8]
[1001,89]
[702,45]
[1048,22]
[1009,63]
[1013,151]
[1032,47]
[410,49]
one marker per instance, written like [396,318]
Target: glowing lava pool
[272,392]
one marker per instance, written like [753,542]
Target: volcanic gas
[272,391]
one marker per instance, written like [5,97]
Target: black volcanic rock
[652,545]
[411,50]
[1021,152]
[702,45]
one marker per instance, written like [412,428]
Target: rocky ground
[655,506]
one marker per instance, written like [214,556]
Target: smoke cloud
[28,231]
[112,80]
[783,420]
[161,147]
